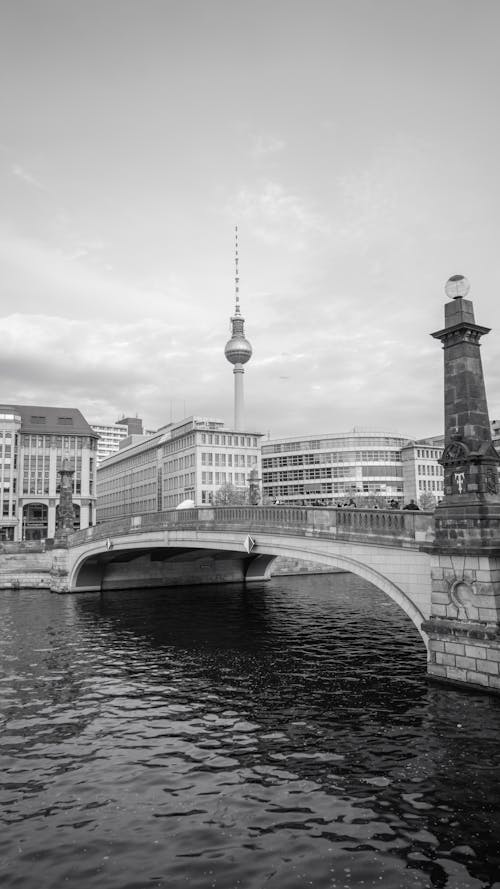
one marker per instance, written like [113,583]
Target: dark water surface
[281,736]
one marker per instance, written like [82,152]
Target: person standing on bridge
[411,505]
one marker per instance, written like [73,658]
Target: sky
[355,144]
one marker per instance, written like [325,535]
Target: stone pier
[464,626]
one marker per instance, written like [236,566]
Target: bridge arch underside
[190,558]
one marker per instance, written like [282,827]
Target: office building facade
[423,475]
[33,442]
[333,468]
[189,460]
[112,436]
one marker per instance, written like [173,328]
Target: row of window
[354,457]
[66,442]
[124,467]
[180,463]
[222,478]
[208,458]
[178,444]
[340,441]
[328,472]
[430,469]
[230,441]
[429,453]
[135,507]
[40,485]
[430,485]
[179,481]
[124,479]
[323,488]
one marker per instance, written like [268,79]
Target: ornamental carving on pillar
[491,480]
[455,452]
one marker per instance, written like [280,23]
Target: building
[33,442]
[332,468]
[185,460]
[423,475]
[111,437]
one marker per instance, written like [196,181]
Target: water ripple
[217,737]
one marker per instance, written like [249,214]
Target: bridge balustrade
[393,527]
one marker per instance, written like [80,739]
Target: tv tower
[238,350]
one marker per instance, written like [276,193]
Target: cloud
[27,177]
[110,367]
[266,145]
[278,216]
[63,281]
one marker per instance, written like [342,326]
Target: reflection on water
[280,736]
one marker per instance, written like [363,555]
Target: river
[274,737]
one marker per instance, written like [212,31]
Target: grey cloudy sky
[354,142]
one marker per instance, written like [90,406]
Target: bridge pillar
[59,572]
[464,626]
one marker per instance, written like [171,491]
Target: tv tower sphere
[238,350]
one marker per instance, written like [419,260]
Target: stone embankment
[284,565]
[28,565]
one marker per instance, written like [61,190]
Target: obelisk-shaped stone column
[464,637]
[66,516]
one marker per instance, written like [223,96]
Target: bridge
[228,544]
[442,569]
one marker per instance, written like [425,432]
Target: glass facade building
[333,468]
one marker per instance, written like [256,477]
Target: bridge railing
[392,527]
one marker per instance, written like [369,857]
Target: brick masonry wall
[464,629]
[470,660]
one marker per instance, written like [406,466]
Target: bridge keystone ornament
[464,626]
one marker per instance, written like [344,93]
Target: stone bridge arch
[155,558]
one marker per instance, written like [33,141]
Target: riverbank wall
[284,566]
[29,565]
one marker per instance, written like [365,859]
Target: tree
[230,495]
[427,502]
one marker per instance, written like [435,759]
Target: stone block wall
[464,628]
[466,658]
[27,569]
